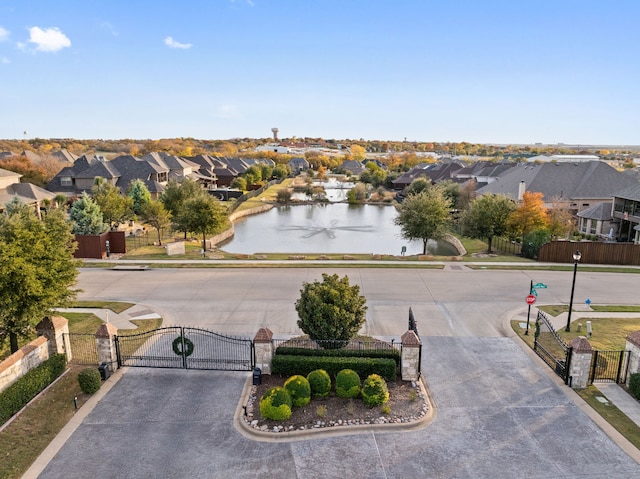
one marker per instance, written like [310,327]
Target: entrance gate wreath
[185,348]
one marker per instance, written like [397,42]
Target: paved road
[499,412]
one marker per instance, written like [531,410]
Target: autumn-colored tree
[30,173]
[531,214]
[358,153]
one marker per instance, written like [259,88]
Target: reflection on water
[328,229]
[335,190]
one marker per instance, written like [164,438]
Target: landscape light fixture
[576,258]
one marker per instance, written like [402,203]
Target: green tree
[487,217]
[115,208]
[87,217]
[239,183]
[418,185]
[203,215]
[331,309]
[139,194]
[425,215]
[253,175]
[154,213]
[174,196]
[357,194]
[281,171]
[38,269]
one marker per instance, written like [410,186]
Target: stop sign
[530,299]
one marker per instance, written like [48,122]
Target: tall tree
[38,269]
[115,207]
[529,216]
[331,309]
[358,153]
[425,215]
[174,196]
[155,214]
[203,215]
[139,194]
[487,217]
[87,217]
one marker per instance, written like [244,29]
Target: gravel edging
[242,421]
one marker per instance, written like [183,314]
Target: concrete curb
[54,446]
[332,431]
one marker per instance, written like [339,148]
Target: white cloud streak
[49,39]
[4,34]
[171,43]
[4,61]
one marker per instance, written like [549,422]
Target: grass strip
[115,306]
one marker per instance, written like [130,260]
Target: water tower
[275,134]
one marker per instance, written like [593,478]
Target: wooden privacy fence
[592,252]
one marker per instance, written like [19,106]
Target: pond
[335,190]
[327,229]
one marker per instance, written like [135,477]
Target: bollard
[589,332]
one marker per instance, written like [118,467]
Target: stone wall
[225,235]
[633,346]
[580,368]
[23,360]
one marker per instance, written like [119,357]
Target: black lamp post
[576,258]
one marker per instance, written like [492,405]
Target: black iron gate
[551,348]
[185,348]
[609,366]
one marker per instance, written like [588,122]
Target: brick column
[410,359]
[56,330]
[106,345]
[633,346]
[263,345]
[580,368]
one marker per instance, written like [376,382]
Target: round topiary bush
[374,391]
[276,404]
[89,380]
[299,390]
[347,384]
[320,383]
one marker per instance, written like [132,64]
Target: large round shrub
[276,404]
[374,390]
[299,390]
[347,384]
[89,380]
[320,383]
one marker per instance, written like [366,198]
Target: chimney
[522,187]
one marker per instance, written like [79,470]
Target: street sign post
[530,299]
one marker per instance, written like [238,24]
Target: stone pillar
[580,368]
[106,345]
[410,359]
[263,345]
[633,346]
[56,330]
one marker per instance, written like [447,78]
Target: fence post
[410,358]
[105,342]
[263,347]
[633,346]
[56,330]
[580,369]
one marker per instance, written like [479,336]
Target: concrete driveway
[500,413]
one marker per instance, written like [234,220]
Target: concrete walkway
[119,320]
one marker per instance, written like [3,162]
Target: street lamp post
[576,258]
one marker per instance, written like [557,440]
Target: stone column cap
[410,339]
[634,338]
[264,335]
[106,330]
[52,323]
[581,344]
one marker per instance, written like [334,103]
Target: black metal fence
[551,348]
[609,366]
[413,326]
[84,349]
[505,245]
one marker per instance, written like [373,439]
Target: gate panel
[551,348]
[84,349]
[609,366]
[215,351]
[151,349]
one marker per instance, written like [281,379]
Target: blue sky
[483,71]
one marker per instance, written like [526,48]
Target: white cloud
[48,40]
[4,60]
[171,43]
[4,34]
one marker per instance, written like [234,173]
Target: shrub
[289,365]
[320,383]
[23,390]
[89,380]
[374,391]
[347,384]
[634,385]
[299,390]
[360,353]
[276,404]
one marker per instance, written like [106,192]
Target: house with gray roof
[571,186]
[10,188]
[626,213]
[597,220]
[64,155]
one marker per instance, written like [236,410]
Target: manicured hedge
[356,353]
[16,396]
[286,365]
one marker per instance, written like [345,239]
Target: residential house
[352,166]
[626,213]
[571,186]
[482,172]
[435,172]
[298,164]
[65,155]
[562,158]
[597,220]
[10,188]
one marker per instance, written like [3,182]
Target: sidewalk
[119,320]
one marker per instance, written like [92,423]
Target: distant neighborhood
[603,200]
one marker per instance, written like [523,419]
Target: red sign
[530,299]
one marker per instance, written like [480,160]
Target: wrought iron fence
[551,348]
[84,349]
[505,245]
